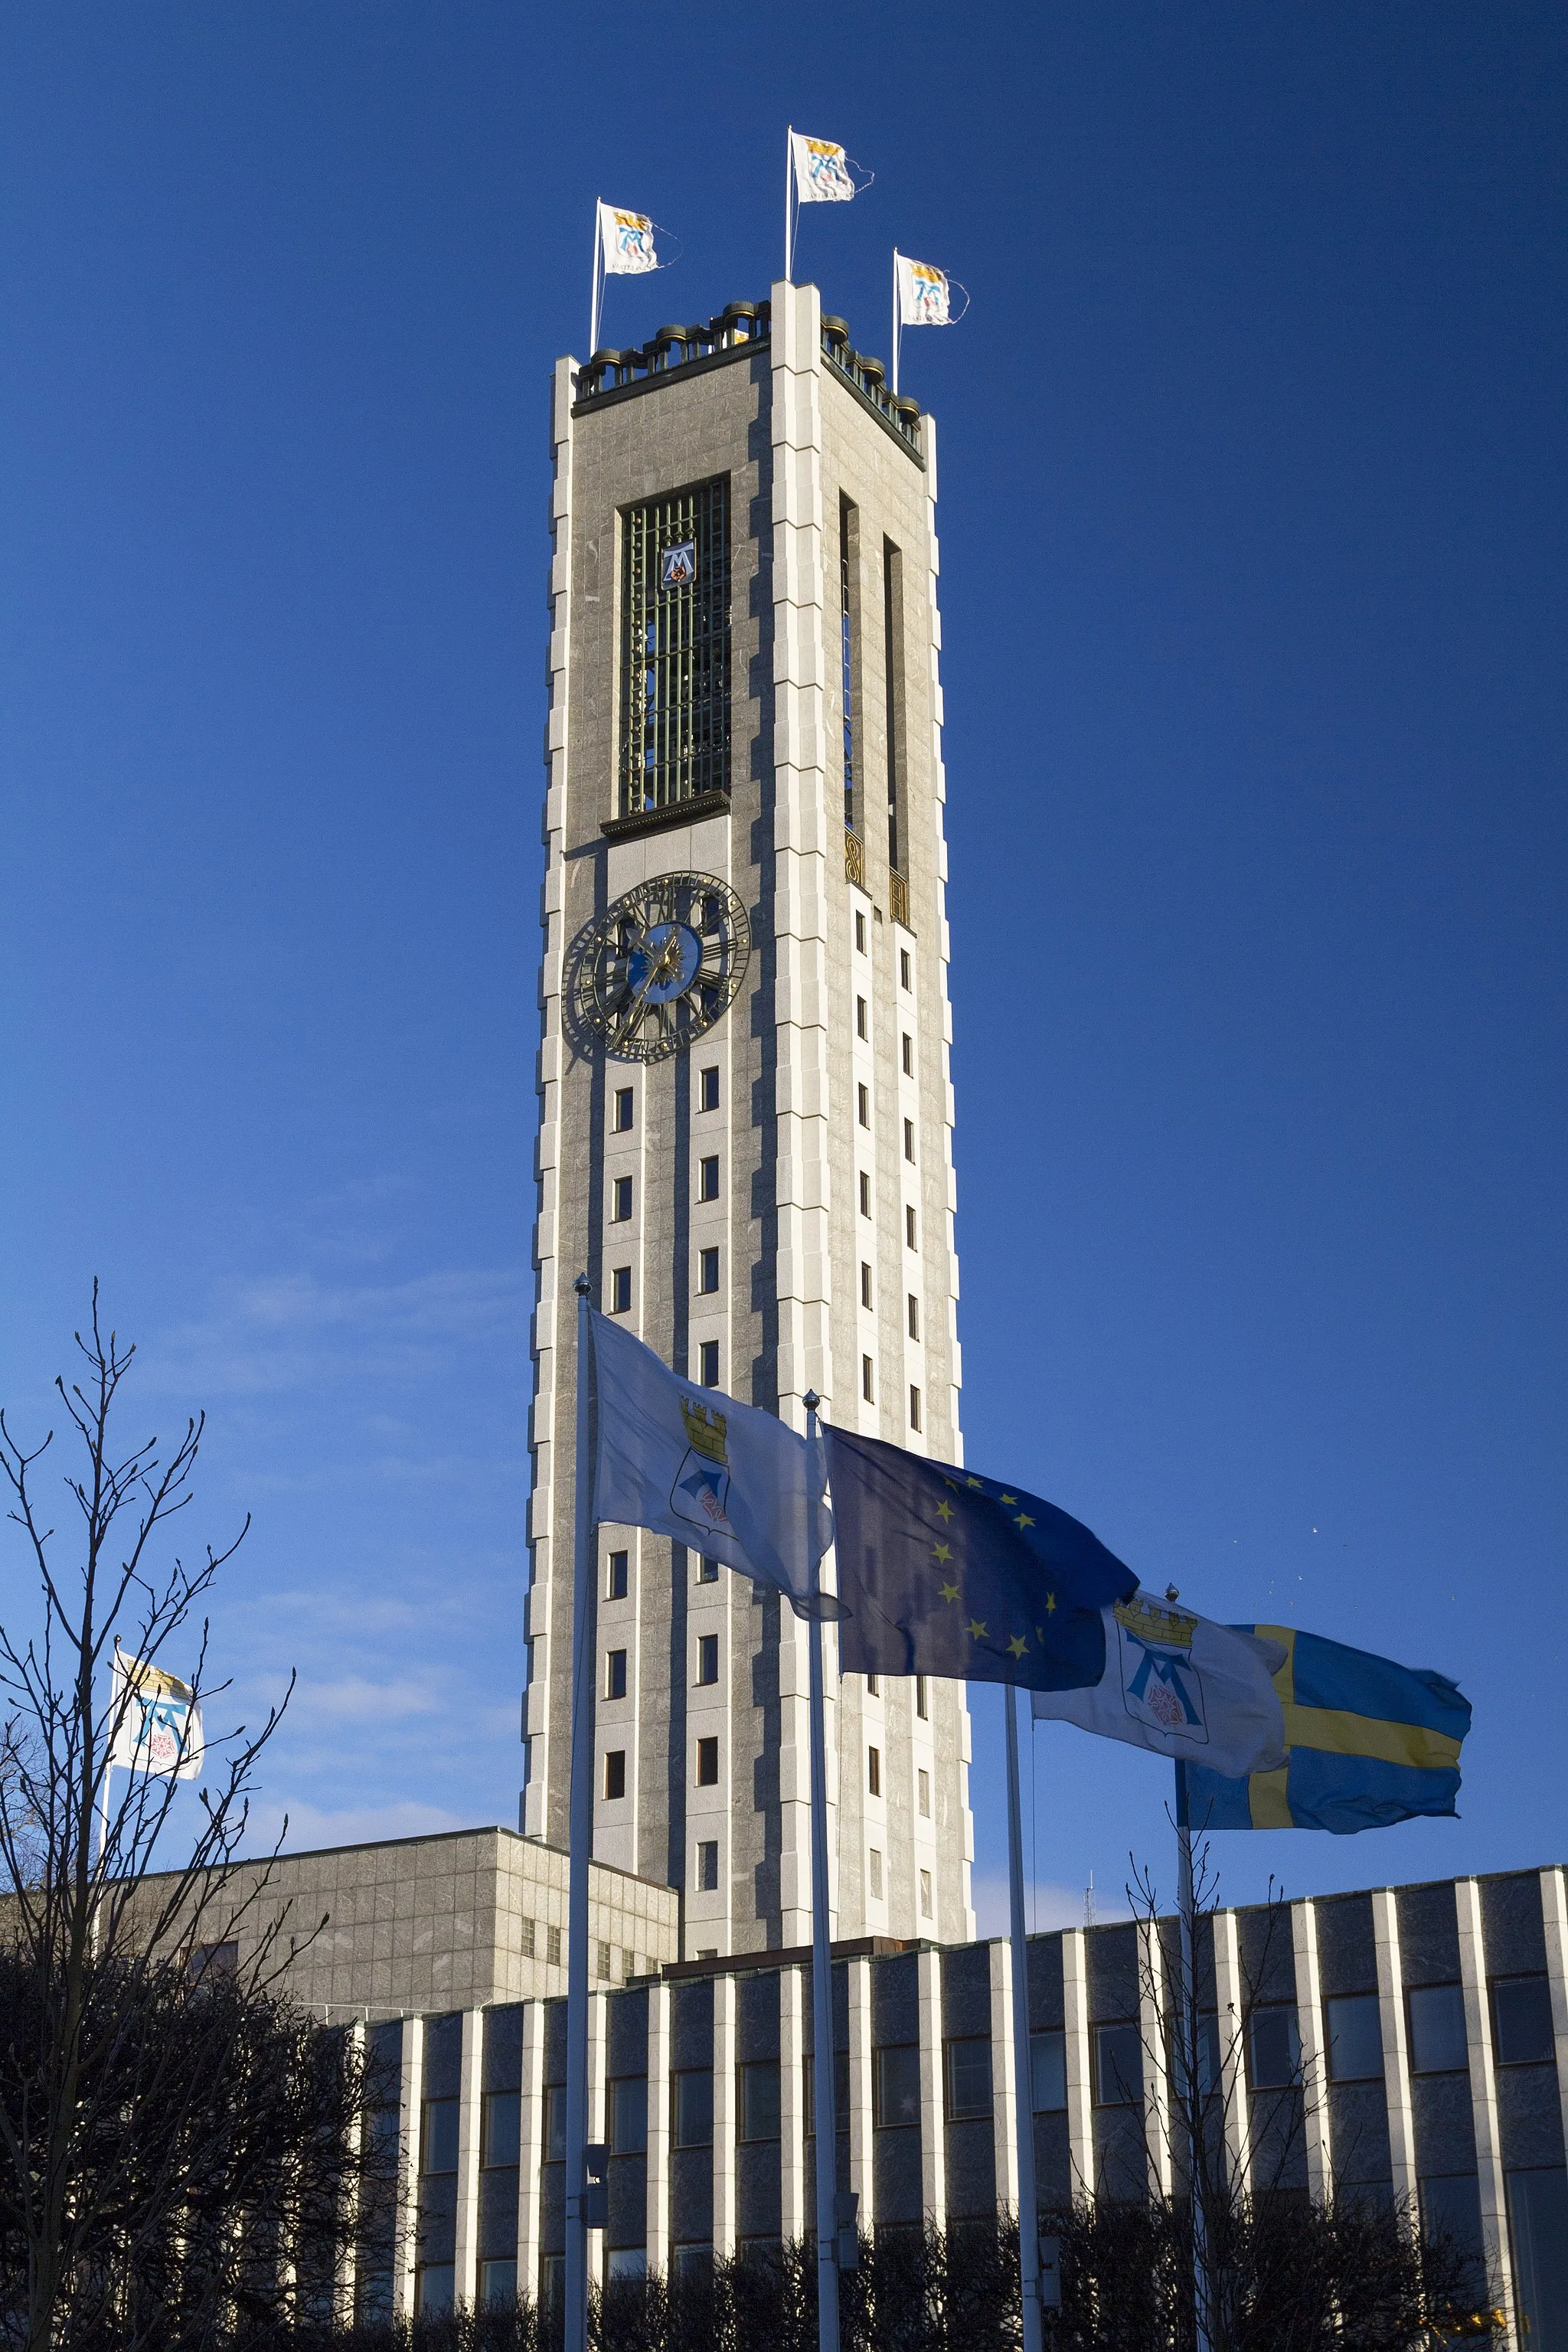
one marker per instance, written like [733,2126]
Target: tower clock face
[660,965]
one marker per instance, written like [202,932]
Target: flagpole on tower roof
[593,295]
[895,323]
[789,191]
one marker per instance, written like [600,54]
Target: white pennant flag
[157,1719]
[925,296]
[626,242]
[1183,1685]
[822,175]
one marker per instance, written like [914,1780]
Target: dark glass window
[914,1317]
[874,1771]
[904,979]
[1118,2065]
[868,1380]
[1521,2021]
[862,1017]
[555,2121]
[709,1372]
[708,1657]
[968,2078]
[1355,2038]
[438,2137]
[1537,2220]
[498,2284]
[760,2100]
[624,1102]
[921,1701]
[1438,2038]
[691,2106]
[896,2086]
[707,1088]
[840,2091]
[621,1290]
[865,1194]
[1048,2070]
[860,932]
[707,1763]
[909,1139]
[675,648]
[620,1202]
[908,1055]
[435,2285]
[619,1577]
[707,1178]
[847,666]
[865,1284]
[910,1229]
[1273,2056]
[708,1867]
[614,1674]
[707,1571]
[914,1407]
[628,2116]
[499,2119]
[708,1271]
[615,1772]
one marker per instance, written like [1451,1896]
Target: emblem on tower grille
[701,1488]
[677,565]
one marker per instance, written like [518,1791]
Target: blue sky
[1253,489]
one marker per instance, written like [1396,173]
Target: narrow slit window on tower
[675,648]
[873,1771]
[708,1355]
[922,1704]
[908,1055]
[708,1763]
[922,1789]
[708,1271]
[708,1657]
[914,1407]
[865,1194]
[708,1867]
[707,1088]
[874,1863]
[615,1773]
[863,1094]
[624,1102]
[910,1227]
[914,1317]
[707,1571]
[847,657]
[909,1139]
[862,1017]
[707,1178]
[904,979]
[860,931]
[620,1290]
[614,1674]
[618,1581]
[892,662]
[866,1299]
[868,1380]
[621,1201]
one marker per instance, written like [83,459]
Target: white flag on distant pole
[822,174]
[622,247]
[924,296]
[725,1478]
[157,1720]
[1184,1687]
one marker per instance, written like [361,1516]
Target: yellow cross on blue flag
[944,1572]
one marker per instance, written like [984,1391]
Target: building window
[922,1703]
[846,535]
[628,2114]
[708,1867]
[614,1674]
[865,1283]
[708,1657]
[896,2086]
[926,1901]
[922,1788]
[1048,2072]
[914,1317]
[1538,2219]
[211,1960]
[621,1201]
[438,2135]
[840,2089]
[864,1105]
[914,1407]
[552,1947]
[498,2286]
[528,1934]
[1521,2021]
[865,1194]
[893,671]
[759,2100]
[1438,2043]
[615,1773]
[874,1873]
[860,932]
[707,1273]
[435,2286]
[904,979]
[606,1970]
[707,1178]
[908,1055]
[874,1685]
[873,1771]
[675,648]
[707,1571]
[909,1240]
[862,1018]
[621,1290]
[500,2117]
[708,1363]
[555,2123]
[708,1763]
[908,1139]
[691,2106]
[868,1380]
[968,2071]
[1355,2038]
[707,1088]
[1274,2049]
[623,1100]
[1118,2065]
[617,1583]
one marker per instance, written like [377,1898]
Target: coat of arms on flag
[677,565]
[701,1488]
[1160,1686]
[822,175]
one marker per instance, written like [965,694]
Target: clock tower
[745,1113]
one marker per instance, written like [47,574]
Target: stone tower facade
[757,1173]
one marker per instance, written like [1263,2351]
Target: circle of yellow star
[976,1630]
[948,1592]
[1017,1645]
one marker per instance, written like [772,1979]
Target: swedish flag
[944,1572]
[1367,1743]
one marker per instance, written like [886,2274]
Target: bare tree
[153,2111]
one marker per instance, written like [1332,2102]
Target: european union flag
[947,1573]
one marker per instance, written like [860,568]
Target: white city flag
[726,1478]
[923,294]
[626,242]
[1179,1683]
[822,175]
[157,1720]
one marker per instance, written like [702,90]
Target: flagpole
[1023,2071]
[895,323]
[593,295]
[1186,1904]
[822,1971]
[580,1842]
[789,191]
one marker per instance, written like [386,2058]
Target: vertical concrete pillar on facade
[658,2158]
[1231,2002]
[410,2107]
[1006,2089]
[1151,2013]
[933,2106]
[1555,1919]
[1483,2095]
[725,2121]
[792,2093]
[1314,2043]
[598,2062]
[862,2171]
[471,2077]
[1396,2055]
[1078,2063]
[530,2149]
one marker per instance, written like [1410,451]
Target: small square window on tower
[708,1763]
[708,1867]
[707,1178]
[614,1674]
[621,1201]
[615,1773]
[707,1571]
[865,1283]
[621,1290]
[868,1380]
[707,1088]
[709,1364]
[618,1581]
[624,1102]
[708,1271]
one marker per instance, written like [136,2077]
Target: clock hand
[655,972]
